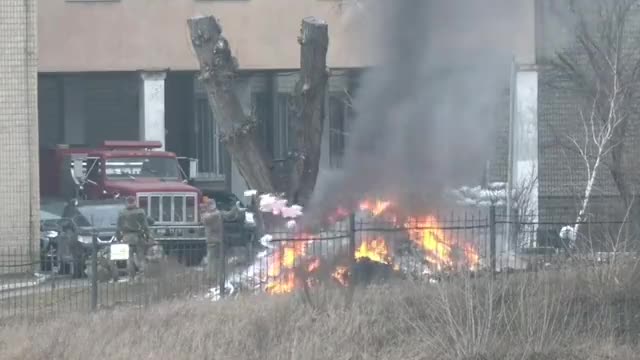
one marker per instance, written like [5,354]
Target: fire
[281,263]
[376,207]
[339,213]
[284,258]
[283,285]
[341,275]
[374,250]
[438,248]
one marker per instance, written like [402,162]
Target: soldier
[133,229]
[213,220]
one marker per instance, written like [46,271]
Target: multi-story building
[124,69]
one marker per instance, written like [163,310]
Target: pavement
[23,282]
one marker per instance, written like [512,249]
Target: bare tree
[218,70]
[602,71]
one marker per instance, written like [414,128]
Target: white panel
[152,107]
[525,138]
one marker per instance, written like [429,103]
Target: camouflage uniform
[213,221]
[133,229]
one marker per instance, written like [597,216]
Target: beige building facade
[124,69]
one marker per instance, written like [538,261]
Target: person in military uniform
[133,229]
[213,221]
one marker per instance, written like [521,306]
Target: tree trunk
[217,72]
[310,90]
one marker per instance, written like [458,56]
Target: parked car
[81,221]
[49,235]
[240,231]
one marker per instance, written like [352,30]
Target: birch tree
[602,71]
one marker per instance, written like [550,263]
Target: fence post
[221,267]
[94,272]
[492,238]
[352,237]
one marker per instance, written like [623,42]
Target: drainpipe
[512,111]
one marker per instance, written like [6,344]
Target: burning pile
[294,263]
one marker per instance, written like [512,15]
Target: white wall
[524,163]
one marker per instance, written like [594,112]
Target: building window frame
[209,149]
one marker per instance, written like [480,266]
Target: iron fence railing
[348,252]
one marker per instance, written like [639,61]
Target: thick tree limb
[311,90]
[217,73]
[218,69]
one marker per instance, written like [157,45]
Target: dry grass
[581,314]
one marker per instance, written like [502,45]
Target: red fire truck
[129,168]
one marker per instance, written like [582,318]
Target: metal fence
[346,253]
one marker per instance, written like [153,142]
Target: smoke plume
[427,113]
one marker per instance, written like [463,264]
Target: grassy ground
[583,313]
[66,295]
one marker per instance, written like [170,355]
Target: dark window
[100,216]
[338,129]
[284,131]
[95,170]
[209,150]
[147,167]
[262,105]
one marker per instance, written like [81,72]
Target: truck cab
[118,169]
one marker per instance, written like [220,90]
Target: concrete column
[152,126]
[524,140]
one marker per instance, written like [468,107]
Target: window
[262,107]
[142,167]
[95,170]
[284,127]
[338,129]
[209,150]
[99,216]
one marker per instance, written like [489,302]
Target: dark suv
[81,220]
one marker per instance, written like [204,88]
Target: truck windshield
[144,167]
[99,216]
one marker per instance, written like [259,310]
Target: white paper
[119,252]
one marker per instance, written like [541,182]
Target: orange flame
[425,231]
[283,285]
[439,249]
[341,275]
[376,207]
[280,276]
[374,250]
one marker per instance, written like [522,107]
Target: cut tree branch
[310,91]
[217,72]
